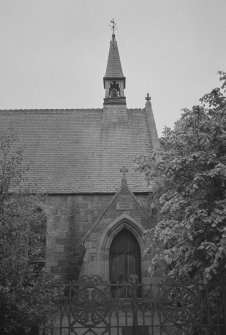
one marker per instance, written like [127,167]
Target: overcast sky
[54,52]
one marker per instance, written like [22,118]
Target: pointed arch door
[124,258]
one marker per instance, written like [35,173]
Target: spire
[114,80]
[114,67]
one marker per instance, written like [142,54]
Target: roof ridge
[60,109]
[49,109]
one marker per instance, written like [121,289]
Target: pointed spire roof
[114,68]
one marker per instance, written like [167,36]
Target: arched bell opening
[114,90]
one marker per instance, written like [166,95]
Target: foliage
[26,292]
[189,178]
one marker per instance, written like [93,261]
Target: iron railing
[91,306]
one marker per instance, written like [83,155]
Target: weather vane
[112,25]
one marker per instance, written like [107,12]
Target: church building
[97,205]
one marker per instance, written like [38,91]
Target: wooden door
[125,258]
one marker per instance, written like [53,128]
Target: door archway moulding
[121,222]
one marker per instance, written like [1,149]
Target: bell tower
[114,80]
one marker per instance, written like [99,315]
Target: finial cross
[148,98]
[124,170]
[112,25]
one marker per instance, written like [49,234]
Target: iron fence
[91,306]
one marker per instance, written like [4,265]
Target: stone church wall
[69,219]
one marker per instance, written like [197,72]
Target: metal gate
[167,308]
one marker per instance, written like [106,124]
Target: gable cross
[124,170]
[148,98]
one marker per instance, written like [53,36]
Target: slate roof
[81,151]
[114,68]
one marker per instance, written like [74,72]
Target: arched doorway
[124,258]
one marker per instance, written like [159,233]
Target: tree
[26,292]
[189,177]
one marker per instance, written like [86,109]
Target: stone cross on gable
[148,98]
[124,170]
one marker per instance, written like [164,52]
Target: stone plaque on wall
[124,203]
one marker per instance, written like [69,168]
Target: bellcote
[114,80]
